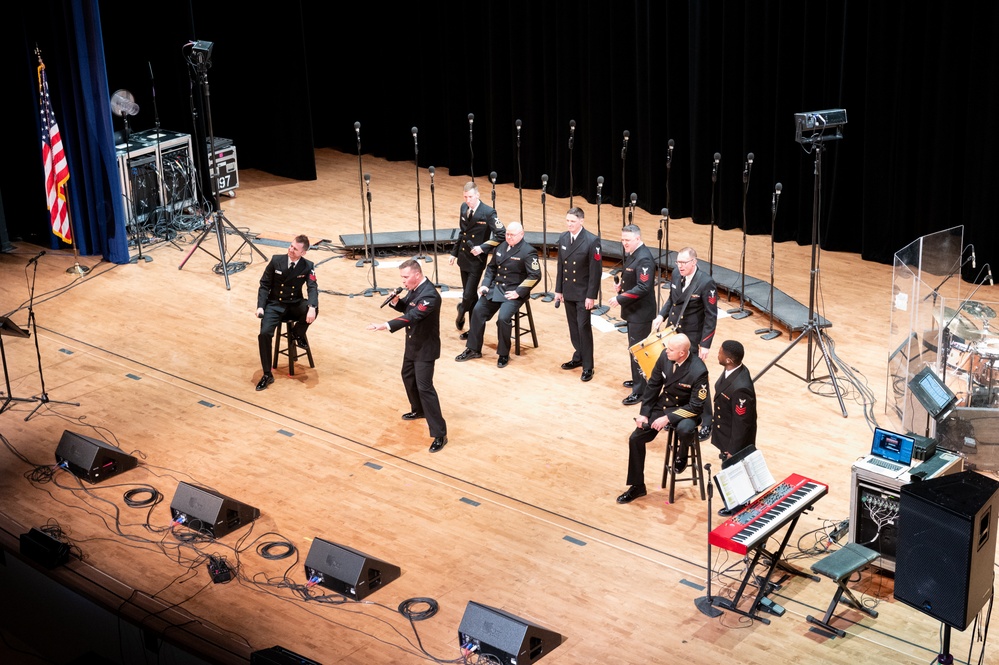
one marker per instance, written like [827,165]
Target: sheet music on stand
[743,476]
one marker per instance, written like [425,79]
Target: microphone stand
[663,221]
[624,156]
[769,333]
[471,153]
[669,165]
[433,220]
[601,308]
[572,137]
[953,271]
[520,173]
[420,256]
[741,312]
[43,397]
[374,272]
[546,296]
[369,252]
[945,330]
[706,603]
[711,241]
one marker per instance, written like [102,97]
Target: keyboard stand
[765,585]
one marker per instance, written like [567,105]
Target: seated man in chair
[280,298]
[677,388]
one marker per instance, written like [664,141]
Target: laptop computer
[891,454]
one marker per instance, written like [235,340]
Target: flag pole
[76,268]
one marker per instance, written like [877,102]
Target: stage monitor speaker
[91,459]
[346,570]
[207,511]
[510,639]
[279,656]
[947,545]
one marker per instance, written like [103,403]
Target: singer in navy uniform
[637,299]
[513,271]
[678,387]
[577,284]
[480,232]
[735,402]
[280,298]
[421,318]
[692,308]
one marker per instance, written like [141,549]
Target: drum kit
[977,346]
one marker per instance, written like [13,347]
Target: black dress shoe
[704,433]
[265,380]
[467,354]
[300,343]
[628,384]
[413,415]
[572,364]
[503,361]
[633,493]
[680,463]
[438,443]
[459,321]
[463,335]
[631,399]
[587,375]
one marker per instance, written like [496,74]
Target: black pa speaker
[947,546]
[278,655]
[514,641]
[208,511]
[346,570]
[91,459]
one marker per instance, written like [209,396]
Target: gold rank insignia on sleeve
[534,263]
[702,392]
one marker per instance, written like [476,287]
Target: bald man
[675,396]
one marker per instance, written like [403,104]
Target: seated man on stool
[280,297]
[511,274]
[675,396]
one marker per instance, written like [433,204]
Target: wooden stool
[838,567]
[693,464]
[291,349]
[519,329]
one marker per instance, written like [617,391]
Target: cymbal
[959,325]
[979,310]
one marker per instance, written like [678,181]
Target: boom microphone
[392,295]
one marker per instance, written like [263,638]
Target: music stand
[10,329]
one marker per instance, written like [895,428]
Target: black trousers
[686,435]
[580,332]
[483,311]
[418,378]
[470,287]
[637,331]
[274,314]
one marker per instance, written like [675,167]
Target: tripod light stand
[200,61]
[770,333]
[741,312]
[820,123]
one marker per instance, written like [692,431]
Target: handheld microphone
[991,283]
[518,124]
[414,130]
[634,199]
[471,118]
[776,196]
[357,129]
[714,168]
[665,213]
[432,170]
[600,184]
[42,253]
[392,295]
[973,266]
[624,148]
[558,303]
[544,182]
[367,178]
[669,154]
[492,177]
[572,132]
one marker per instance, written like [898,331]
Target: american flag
[54,159]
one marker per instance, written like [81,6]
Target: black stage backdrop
[917,82]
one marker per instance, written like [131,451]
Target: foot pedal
[219,569]
[770,606]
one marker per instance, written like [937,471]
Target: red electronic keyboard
[755,523]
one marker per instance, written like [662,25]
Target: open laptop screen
[892,446]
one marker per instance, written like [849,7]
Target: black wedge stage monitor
[933,393]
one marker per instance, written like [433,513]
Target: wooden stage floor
[517,512]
